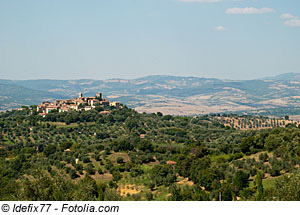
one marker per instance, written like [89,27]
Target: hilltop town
[75,104]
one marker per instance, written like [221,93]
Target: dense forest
[125,155]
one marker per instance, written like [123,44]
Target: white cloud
[249,10]
[220,28]
[287,16]
[293,22]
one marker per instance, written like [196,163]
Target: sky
[104,39]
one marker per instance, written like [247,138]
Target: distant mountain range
[167,94]
[285,77]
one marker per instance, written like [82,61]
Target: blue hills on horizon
[151,92]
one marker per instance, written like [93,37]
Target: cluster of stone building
[75,104]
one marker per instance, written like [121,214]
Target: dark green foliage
[122,145]
[240,181]
[210,157]
[187,194]
[65,145]
[90,169]
[100,171]
[49,150]
[287,188]
[136,171]
[163,175]
[73,174]
[120,160]
[86,160]
[149,196]
[259,186]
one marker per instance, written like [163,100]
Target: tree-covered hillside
[131,156]
[14,96]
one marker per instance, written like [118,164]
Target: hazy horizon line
[129,79]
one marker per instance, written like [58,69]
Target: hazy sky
[101,39]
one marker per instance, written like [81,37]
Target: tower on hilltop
[99,95]
[80,95]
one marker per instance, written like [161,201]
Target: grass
[256,155]
[6,141]
[161,194]
[114,156]
[146,168]
[215,158]
[139,185]
[62,124]
[267,183]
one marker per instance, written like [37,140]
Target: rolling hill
[167,94]
[13,96]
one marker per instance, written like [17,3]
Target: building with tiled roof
[75,104]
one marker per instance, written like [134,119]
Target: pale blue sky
[101,39]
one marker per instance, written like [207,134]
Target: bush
[100,171]
[120,160]
[90,169]
[73,174]
[86,160]
[49,150]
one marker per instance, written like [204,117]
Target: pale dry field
[242,123]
